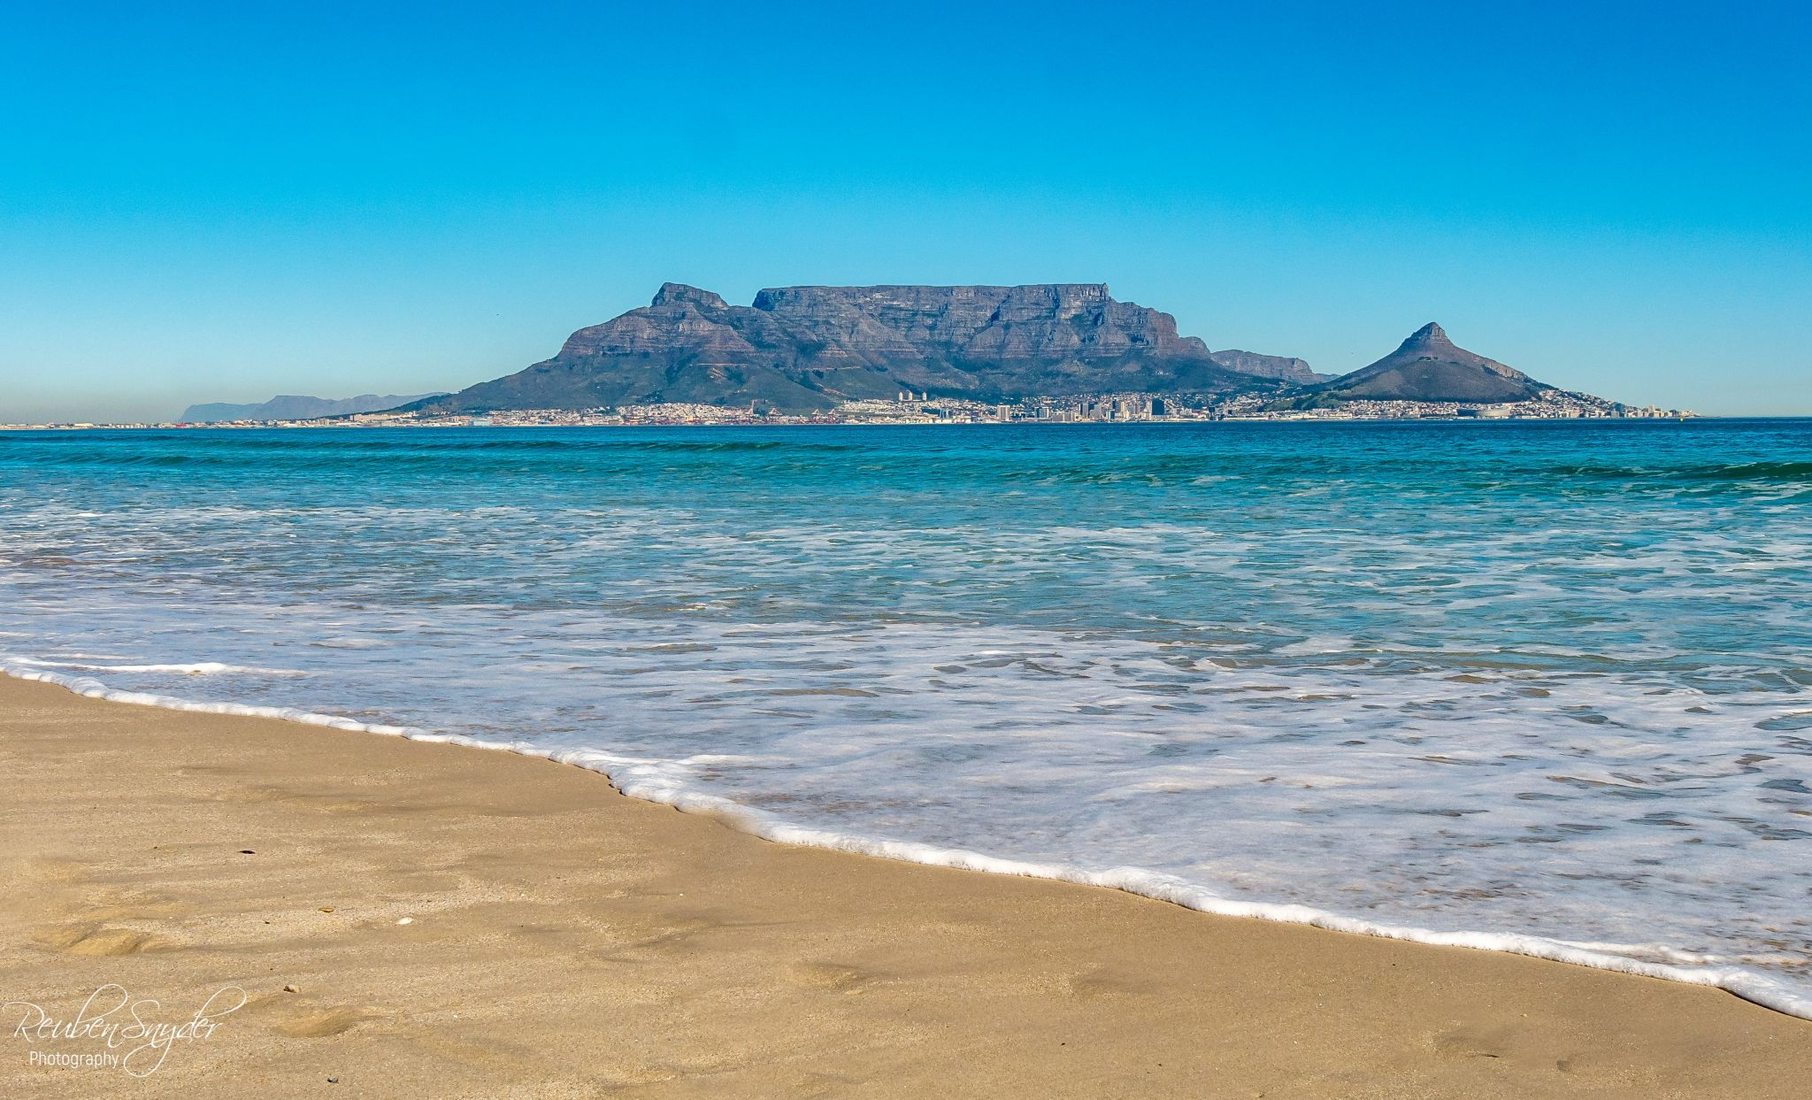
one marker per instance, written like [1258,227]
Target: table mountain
[812,347]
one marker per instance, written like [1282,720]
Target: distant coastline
[1042,352]
[1094,409]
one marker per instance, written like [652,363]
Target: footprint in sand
[100,940]
[827,975]
[655,935]
[301,1017]
[1506,1041]
[1105,982]
[328,802]
[322,1023]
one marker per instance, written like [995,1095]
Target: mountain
[1268,366]
[1429,367]
[812,347]
[291,407]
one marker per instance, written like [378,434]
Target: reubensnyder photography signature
[115,1030]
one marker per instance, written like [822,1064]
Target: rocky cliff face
[807,347]
[1288,368]
[983,324]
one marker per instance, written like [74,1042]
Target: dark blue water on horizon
[1534,683]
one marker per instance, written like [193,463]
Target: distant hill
[1268,366]
[291,407]
[812,347]
[1429,367]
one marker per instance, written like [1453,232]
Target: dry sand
[567,941]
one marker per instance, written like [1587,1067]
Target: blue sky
[207,202]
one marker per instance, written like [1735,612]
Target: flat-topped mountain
[804,348]
[814,347]
[1429,367]
[295,407]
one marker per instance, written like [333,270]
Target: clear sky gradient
[213,202]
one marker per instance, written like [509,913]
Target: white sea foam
[198,668]
[1518,681]
[667,782]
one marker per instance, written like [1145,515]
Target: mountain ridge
[802,348]
[1287,367]
[811,348]
[296,407]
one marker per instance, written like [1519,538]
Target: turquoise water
[1538,686]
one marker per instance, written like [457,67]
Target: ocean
[1539,687]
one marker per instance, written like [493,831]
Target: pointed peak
[1430,333]
[680,293]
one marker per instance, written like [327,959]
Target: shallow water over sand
[1533,679]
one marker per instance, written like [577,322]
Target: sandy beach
[408,919]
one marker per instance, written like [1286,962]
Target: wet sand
[562,940]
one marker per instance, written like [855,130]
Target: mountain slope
[1429,367]
[1288,368]
[293,407]
[813,347]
